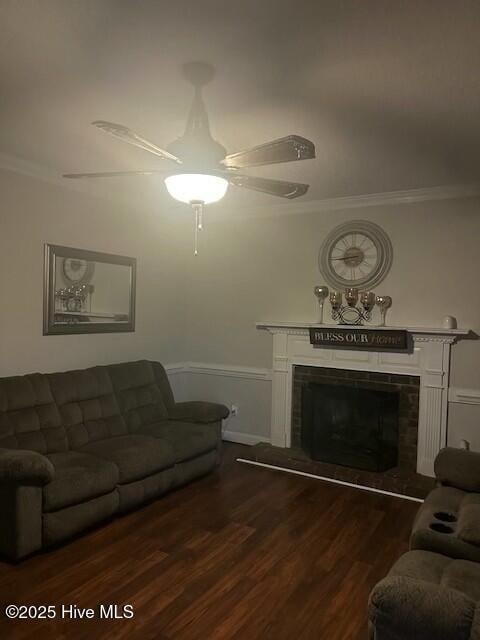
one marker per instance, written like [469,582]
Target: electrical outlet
[234,410]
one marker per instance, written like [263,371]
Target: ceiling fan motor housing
[198,151]
[196,148]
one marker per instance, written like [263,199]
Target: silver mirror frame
[53,251]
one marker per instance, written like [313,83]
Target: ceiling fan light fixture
[196,187]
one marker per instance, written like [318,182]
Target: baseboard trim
[332,480]
[244,438]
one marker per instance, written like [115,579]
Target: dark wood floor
[243,554]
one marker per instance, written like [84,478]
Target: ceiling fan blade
[129,136]
[279,188]
[116,174]
[285,149]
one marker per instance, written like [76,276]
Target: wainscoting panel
[178,376]
[250,388]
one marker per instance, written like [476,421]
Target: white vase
[449,322]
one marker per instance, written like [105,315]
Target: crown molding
[387,198]
[15,164]
[19,165]
[24,167]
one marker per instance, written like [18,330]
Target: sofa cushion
[78,477]
[187,440]
[198,411]
[427,596]
[461,575]
[468,527]
[458,468]
[133,494]
[23,467]
[87,404]
[448,522]
[58,526]
[136,456]
[163,383]
[29,417]
[139,394]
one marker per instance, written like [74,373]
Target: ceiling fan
[200,170]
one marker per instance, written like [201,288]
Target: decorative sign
[380,339]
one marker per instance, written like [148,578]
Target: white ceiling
[388,90]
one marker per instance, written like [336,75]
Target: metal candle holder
[321,294]
[358,307]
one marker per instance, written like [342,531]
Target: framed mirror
[87,292]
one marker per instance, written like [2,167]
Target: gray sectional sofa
[78,447]
[433,591]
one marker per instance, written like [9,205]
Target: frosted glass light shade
[188,187]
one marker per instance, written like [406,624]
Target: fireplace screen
[350,426]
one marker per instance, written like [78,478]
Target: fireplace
[426,364]
[350,426]
[358,419]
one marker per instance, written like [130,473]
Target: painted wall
[203,310]
[33,213]
[260,268]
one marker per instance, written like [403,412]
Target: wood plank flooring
[243,554]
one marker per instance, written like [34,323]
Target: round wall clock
[78,271]
[356,254]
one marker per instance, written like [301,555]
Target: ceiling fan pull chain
[195,253]
[198,210]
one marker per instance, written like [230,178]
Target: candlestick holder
[383,303]
[321,293]
[351,313]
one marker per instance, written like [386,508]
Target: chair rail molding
[212,369]
[429,358]
[464,396]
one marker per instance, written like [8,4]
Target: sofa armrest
[402,608]
[197,411]
[24,467]
[458,468]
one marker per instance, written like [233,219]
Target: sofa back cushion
[29,417]
[138,388]
[163,383]
[87,405]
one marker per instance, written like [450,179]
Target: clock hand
[349,257]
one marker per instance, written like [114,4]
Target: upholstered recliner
[433,591]
[448,522]
[427,596]
[80,446]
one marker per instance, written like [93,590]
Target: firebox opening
[350,426]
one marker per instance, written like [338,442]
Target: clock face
[353,256]
[77,270]
[356,254]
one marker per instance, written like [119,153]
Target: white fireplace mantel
[429,358]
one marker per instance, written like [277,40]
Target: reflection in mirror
[88,292]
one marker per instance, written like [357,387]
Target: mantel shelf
[278,325]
